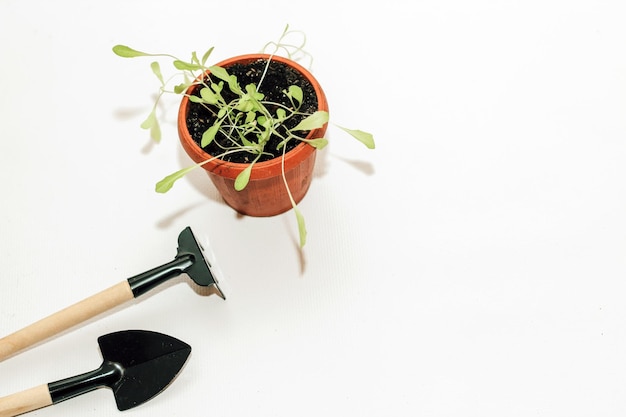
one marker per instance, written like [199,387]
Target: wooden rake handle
[25,401]
[65,319]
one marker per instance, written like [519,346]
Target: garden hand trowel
[137,365]
[189,259]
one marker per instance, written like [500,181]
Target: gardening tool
[137,365]
[189,259]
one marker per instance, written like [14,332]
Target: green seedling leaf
[319,143]
[181,88]
[167,183]
[150,120]
[264,136]
[243,178]
[295,92]
[128,52]
[267,124]
[188,79]
[156,69]
[223,75]
[206,55]
[301,226]
[208,96]
[194,58]
[245,104]
[152,123]
[186,66]
[252,92]
[251,117]
[364,137]
[155,132]
[209,134]
[250,99]
[234,85]
[217,87]
[313,121]
[247,143]
[282,144]
[220,73]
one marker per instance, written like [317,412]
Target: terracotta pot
[265,194]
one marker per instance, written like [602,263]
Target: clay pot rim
[263,169]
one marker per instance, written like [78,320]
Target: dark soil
[278,78]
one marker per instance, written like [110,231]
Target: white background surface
[472,265]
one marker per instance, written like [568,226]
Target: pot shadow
[168,221]
[199,179]
[289,225]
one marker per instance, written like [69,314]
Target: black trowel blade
[150,362]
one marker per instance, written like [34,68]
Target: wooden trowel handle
[25,401]
[65,319]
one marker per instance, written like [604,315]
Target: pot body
[266,194]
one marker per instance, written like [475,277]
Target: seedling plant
[246,120]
